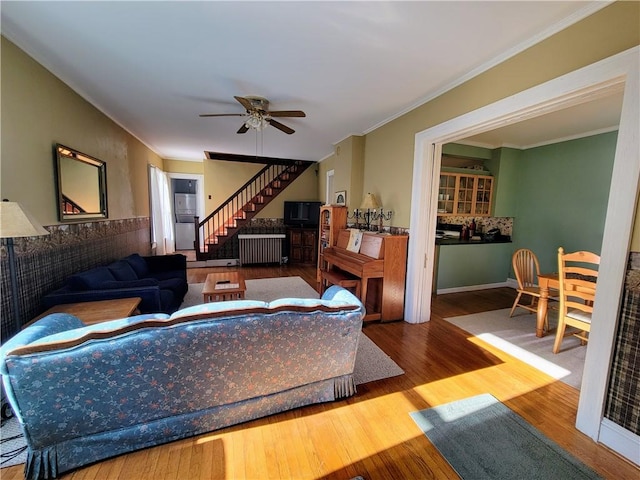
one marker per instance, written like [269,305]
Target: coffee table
[96,312]
[223,286]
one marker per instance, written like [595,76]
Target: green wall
[459,150]
[563,190]
[557,195]
[504,165]
[470,265]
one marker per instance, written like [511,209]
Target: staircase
[237,211]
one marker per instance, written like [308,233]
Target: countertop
[481,241]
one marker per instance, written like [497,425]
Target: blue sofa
[86,393]
[160,281]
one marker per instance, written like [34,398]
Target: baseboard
[620,440]
[471,288]
[225,262]
[513,283]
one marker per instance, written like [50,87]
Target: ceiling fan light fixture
[259,116]
[256,121]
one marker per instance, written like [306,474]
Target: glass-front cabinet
[465,194]
[484,192]
[447,194]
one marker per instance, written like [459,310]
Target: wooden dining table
[546,283]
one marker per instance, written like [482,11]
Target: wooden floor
[372,434]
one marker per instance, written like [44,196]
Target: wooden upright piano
[381,264]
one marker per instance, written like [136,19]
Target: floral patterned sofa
[86,393]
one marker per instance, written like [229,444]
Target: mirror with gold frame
[82,185]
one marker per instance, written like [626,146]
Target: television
[302,214]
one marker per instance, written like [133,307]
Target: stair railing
[250,195]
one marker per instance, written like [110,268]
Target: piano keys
[381,264]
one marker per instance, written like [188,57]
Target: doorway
[571,89]
[330,189]
[187,196]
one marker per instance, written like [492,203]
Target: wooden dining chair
[526,267]
[577,275]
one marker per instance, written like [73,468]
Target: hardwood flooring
[372,434]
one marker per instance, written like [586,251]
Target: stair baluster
[224,223]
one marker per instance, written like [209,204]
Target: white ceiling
[153,67]
[595,116]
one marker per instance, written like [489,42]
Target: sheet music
[355,240]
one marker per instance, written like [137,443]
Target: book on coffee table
[226,286]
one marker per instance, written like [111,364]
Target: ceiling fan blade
[287,113]
[223,114]
[245,102]
[243,129]
[280,126]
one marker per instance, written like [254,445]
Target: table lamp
[15,222]
[369,203]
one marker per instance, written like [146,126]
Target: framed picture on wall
[341,198]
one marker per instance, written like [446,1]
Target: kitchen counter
[481,264]
[478,265]
[459,241]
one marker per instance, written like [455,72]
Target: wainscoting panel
[623,401]
[43,263]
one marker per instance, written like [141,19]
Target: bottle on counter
[472,228]
[464,233]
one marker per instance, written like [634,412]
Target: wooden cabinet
[333,218]
[465,195]
[303,245]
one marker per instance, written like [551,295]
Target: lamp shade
[16,222]
[369,202]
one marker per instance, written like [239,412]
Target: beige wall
[304,188]
[325,166]
[342,169]
[356,186]
[221,179]
[347,162]
[179,166]
[350,158]
[635,240]
[38,110]
[388,164]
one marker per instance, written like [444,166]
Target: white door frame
[618,71]
[199,195]
[329,186]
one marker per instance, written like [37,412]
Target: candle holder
[370,210]
[382,215]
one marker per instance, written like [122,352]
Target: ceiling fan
[257,109]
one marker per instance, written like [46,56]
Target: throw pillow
[91,279]
[122,270]
[138,264]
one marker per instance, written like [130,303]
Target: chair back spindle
[526,267]
[578,276]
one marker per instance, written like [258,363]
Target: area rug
[517,337]
[13,449]
[265,289]
[372,363]
[482,438]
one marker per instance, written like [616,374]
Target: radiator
[261,248]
